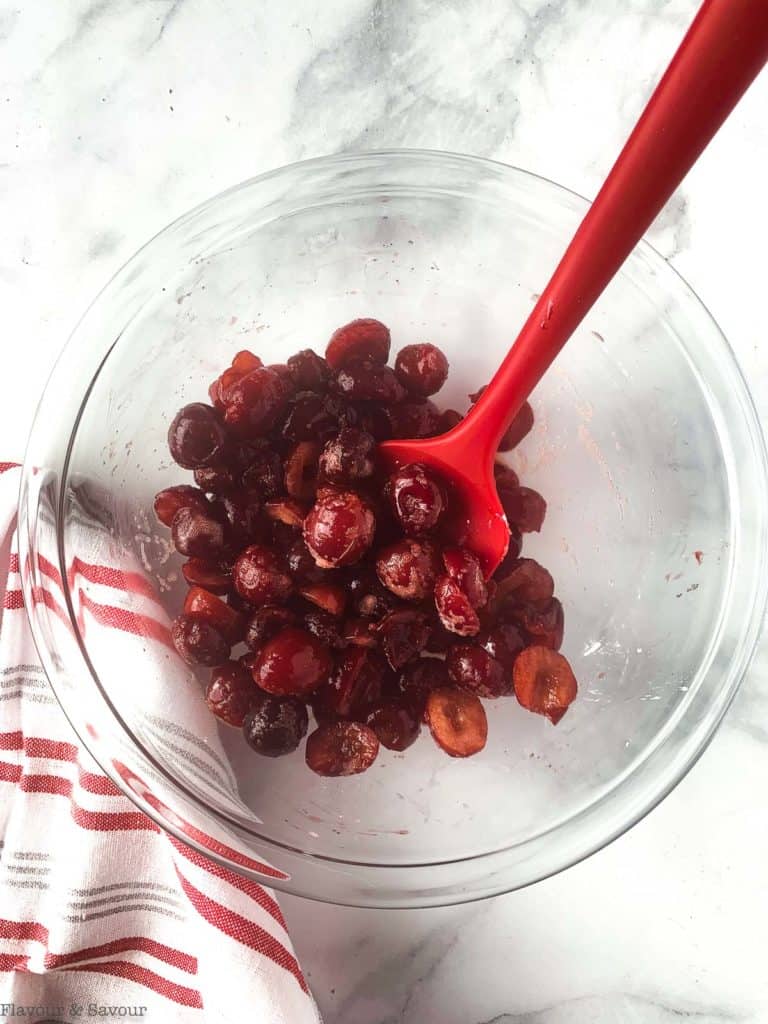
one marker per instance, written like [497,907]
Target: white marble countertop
[118,115]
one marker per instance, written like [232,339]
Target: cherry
[211,576]
[310,371]
[417,499]
[259,576]
[359,340]
[339,529]
[376,420]
[315,418]
[421,369]
[253,403]
[325,628]
[302,565]
[449,419]
[509,561]
[327,597]
[395,724]
[369,598]
[518,428]
[215,479]
[275,726]
[369,382]
[417,418]
[293,663]
[544,682]
[245,361]
[506,478]
[425,674]
[287,511]
[464,567]
[355,684]
[196,436]
[504,642]
[242,512]
[172,499]
[404,635]
[198,642]
[348,457]
[455,608]
[265,623]
[544,626]
[457,721]
[196,534]
[473,669]
[359,633]
[524,508]
[230,693]
[261,468]
[301,467]
[408,569]
[201,604]
[341,748]
[526,583]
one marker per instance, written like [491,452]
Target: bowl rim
[728,689]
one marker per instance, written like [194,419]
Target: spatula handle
[723,51]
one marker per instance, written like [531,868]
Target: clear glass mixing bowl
[646,446]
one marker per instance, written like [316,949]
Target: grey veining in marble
[118,115]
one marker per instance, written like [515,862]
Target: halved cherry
[287,511]
[202,604]
[199,573]
[457,721]
[544,682]
[326,596]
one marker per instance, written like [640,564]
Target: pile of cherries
[350,591]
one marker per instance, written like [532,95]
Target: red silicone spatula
[723,51]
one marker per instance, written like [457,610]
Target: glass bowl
[646,446]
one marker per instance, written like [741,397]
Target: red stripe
[169,955]
[46,784]
[257,892]
[49,569]
[131,582]
[13,562]
[239,928]
[33,931]
[137,785]
[23,930]
[56,785]
[13,600]
[13,962]
[112,821]
[106,576]
[94,821]
[12,740]
[99,785]
[142,976]
[41,596]
[5,466]
[55,750]
[10,772]
[127,621]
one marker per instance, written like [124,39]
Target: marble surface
[118,115]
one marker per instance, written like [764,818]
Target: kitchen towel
[102,914]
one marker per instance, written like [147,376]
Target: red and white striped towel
[98,907]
